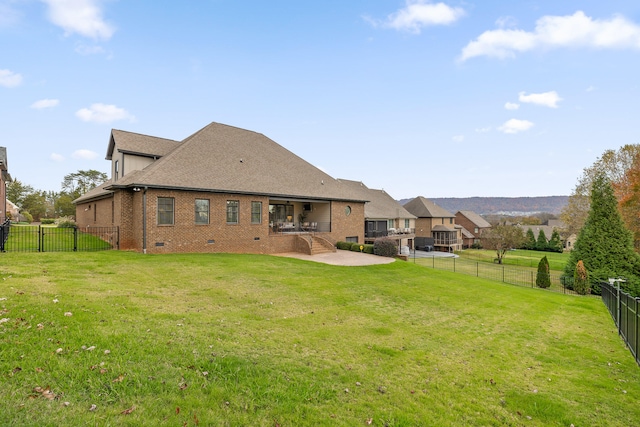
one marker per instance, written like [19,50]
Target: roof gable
[143,145]
[380,205]
[228,159]
[425,208]
[476,219]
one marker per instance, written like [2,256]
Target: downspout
[144,220]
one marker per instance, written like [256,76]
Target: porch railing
[299,228]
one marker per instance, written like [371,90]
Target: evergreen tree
[555,244]
[529,240]
[604,245]
[543,280]
[542,243]
[581,279]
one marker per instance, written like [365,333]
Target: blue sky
[417,97]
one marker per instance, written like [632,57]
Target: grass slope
[227,340]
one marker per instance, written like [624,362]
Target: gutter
[144,220]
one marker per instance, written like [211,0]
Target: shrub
[27,216]
[355,247]
[65,222]
[581,279]
[543,280]
[368,249]
[47,220]
[343,245]
[385,247]
[476,245]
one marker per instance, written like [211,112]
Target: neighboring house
[13,211]
[222,189]
[553,224]
[567,241]
[4,179]
[435,222]
[384,216]
[473,225]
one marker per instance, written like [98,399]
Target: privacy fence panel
[624,310]
[38,238]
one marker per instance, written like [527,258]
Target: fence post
[75,239]
[40,239]
[503,274]
[454,265]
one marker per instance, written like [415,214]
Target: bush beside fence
[498,272]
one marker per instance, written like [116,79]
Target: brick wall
[217,236]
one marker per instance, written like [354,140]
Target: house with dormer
[437,223]
[221,189]
[384,216]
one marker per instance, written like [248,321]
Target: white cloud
[8,15]
[418,14]
[84,155]
[515,125]
[511,106]
[591,88]
[83,17]
[102,113]
[57,157]
[572,31]
[458,138]
[84,49]
[483,130]
[45,103]
[546,99]
[9,79]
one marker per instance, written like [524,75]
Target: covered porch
[291,216]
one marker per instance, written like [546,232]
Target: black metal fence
[499,272]
[39,238]
[624,310]
[4,233]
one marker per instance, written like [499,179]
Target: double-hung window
[202,211]
[232,211]
[165,210]
[256,212]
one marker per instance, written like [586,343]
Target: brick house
[435,222]
[222,189]
[473,225]
[4,178]
[384,216]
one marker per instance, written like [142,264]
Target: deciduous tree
[502,238]
[78,183]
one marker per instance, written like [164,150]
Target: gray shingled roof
[380,205]
[476,219]
[4,167]
[96,193]
[136,143]
[224,158]
[425,208]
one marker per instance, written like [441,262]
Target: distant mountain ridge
[501,205]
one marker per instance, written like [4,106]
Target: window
[116,169]
[232,211]
[347,210]
[407,223]
[391,223]
[202,211]
[256,212]
[165,210]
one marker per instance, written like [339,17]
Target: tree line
[35,205]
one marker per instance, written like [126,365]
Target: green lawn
[49,238]
[230,340]
[519,257]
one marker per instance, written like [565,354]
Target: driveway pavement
[349,258]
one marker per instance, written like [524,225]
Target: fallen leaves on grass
[128,411]
[44,392]
[68,314]
[93,407]
[119,379]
